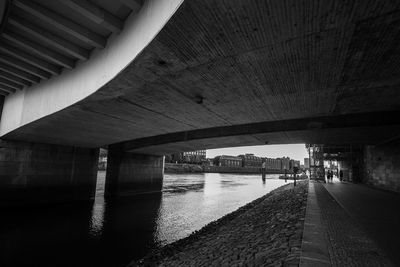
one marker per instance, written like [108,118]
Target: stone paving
[377,211]
[265,232]
[348,244]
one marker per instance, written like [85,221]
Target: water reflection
[46,236]
[129,228]
[112,233]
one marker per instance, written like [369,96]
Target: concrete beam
[135,5]
[62,23]
[10,84]
[19,64]
[9,49]
[316,123]
[95,14]
[4,92]
[60,92]
[13,78]
[48,54]
[7,88]
[19,73]
[49,38]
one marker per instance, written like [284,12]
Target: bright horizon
[294,151]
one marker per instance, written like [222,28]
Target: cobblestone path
[265,232]
[348,243]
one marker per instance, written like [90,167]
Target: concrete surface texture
[382,166]
[37,173]
[224,63]
[129,173]
[39,100]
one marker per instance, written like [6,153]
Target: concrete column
[345,167]
[32,173]
[382,166]
[130,174]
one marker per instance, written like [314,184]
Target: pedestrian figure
[341,175]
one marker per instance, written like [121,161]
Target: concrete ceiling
[39,39]
[223,63]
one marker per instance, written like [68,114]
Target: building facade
[193,157]
[285,163]
[229,161]
[250,160]
[272,164]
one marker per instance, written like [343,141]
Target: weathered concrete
[129,173]
[58,93]
[346,169]
[382,166]
[211,64]
[36,173]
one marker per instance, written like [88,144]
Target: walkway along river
[112,233]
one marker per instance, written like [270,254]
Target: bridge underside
[241,62]
[230,73]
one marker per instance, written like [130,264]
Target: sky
[294,151]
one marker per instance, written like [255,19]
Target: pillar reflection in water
[129,227]
[103,233]
[45,236]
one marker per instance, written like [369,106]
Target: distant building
[285,163]
[294,163]
[273,164]
[199,153]
[230,161]
[249,160]
[194,157]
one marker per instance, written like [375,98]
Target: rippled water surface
[111,233]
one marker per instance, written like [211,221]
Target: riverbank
[193,168]
[182,168]
[267,231]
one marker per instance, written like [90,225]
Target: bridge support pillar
[131,174]
[382,166]
[32,173]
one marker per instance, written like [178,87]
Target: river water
[112,233]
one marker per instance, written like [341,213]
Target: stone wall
[382,166]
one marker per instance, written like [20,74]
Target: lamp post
[295,170]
